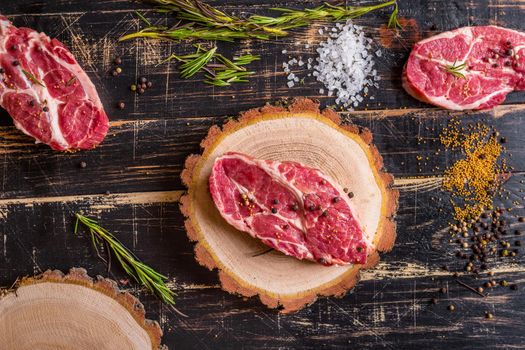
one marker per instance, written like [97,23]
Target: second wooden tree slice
[73,311]
[297,133]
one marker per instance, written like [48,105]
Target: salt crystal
[284,51]
[345,64]
[379,53]
[290,84]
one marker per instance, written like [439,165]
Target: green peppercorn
[133,87]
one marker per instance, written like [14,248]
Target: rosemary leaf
[393,22]
[189,68]
[142,273]
[71,81]
[456,69]
[143,19]
[32,78]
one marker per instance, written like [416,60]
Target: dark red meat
[46,92]
[290,207]
[493,60]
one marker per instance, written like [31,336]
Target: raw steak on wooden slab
[484,64]
[290,207]
[46,92]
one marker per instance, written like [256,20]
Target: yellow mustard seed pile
[473,180]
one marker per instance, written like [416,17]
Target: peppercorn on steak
[290,207]
[467,68]
[46,92]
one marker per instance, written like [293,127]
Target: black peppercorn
[275,201]
[45,109]
[121,105]
[117,60]
[274,211]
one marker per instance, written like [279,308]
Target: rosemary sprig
[456,69]
[190,67]
[142,273]
[208,23]
[221,72]
[393,22]
[32,78]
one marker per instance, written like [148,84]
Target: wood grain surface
[141,159]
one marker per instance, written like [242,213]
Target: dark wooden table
[141,159]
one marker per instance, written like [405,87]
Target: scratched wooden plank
[91,30]
[149,154]
[388,309]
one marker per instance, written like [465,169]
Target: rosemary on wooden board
[141,272]
[202,21]
[456,69]
[222,72]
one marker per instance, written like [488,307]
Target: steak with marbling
[290,207]
[46,92]
[467,68]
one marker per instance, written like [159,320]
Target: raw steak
[46,92]
[290,207]
[494,65]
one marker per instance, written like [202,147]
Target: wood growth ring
[299,132]
[74,311]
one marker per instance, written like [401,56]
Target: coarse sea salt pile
[345,65]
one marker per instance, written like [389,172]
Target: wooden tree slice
[297,133]
[57,311]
